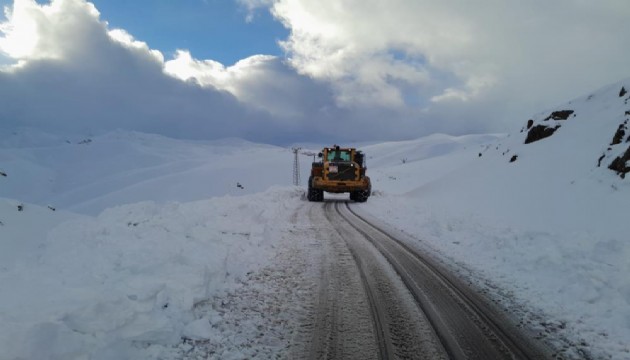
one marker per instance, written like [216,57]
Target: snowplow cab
[340,170]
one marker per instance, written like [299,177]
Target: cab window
[338,155]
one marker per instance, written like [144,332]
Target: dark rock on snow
[560,115]
[619,165]
[619,134]
[539,132]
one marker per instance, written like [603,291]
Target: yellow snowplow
[340,170]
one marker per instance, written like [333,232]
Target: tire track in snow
[378,316]
[401,330]
[466,324]
[341,323]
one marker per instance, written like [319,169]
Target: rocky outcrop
[540,132]
[619,134]
[559,115]
[620,164]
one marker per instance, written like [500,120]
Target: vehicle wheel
[362,195]
[316,195]
[311,193]
[320,195]
[353,195]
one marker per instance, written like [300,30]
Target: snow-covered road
[417,308]
[341,287]
[322,288]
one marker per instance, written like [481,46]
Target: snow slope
[549,228]
[158,225]
[88,174]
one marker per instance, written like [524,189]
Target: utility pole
[296,166]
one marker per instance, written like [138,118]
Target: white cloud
[50,31]
[541,51]
[205,72]
[253,5]
[20,32]
[471,89]
[262,81]
[126,39]
[354,70]
[82,76]
[354,44]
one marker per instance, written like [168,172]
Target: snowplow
[340,170]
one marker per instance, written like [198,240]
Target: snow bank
[122,284]
[23,229]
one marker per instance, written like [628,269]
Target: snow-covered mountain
[107,241]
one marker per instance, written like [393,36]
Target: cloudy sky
[286,71]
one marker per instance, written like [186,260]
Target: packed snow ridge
[109,244]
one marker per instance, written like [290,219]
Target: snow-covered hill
[546,220]
[107,241]
[88,174]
